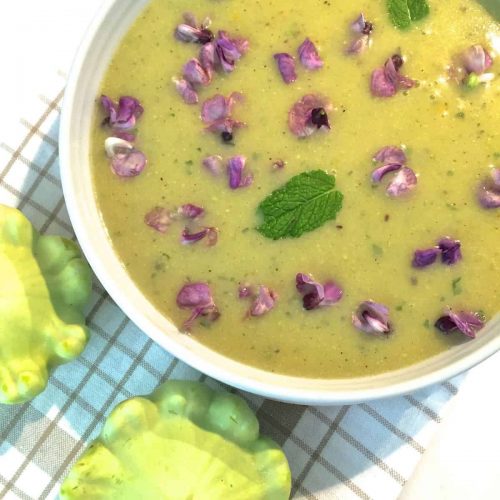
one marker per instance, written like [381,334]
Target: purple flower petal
[358,45]
[242,44]
[333,293]
[390,154]
[314,294]
[381,85]
[404,182]
[216,113]
[379,173]
[361,25]
[264,302]
[188,32]
[450,251]
[214,164]
[128,164]
[309,56]
[466,322]
[245,291]
[488,198]
[124,115]
[286,66]
[190,211]
[159,219]
[495,177]
[358,26]
[371,317]
[195,74]
[208,58]
[214,109]
[424,258]
[305,112]
[387,81]
[186,91]
[489,191]
[228,51]
[235,170]
[476,60]
[198,297]
[210,233]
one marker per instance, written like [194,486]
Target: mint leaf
[303,204]
[418,9]
[404,12]
[399,13]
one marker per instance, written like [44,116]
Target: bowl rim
[94,241]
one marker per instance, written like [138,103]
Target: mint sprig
[404,12]
[303,204]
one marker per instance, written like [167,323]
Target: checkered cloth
[366,451]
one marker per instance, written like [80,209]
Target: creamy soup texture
[450,134]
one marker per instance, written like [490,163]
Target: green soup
[451,136]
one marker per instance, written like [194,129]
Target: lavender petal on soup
[361,25]
[371,317]
[286,66]
[124,115]
[189,32]
[333,293]
[450,251]
[379,173]
[309,56]
[214,164]
[387,81]
[315,294]
[159,218]
[468,323]
[190,211]
[264,302]
[216,113]
[424,258]
[308,115]
[235,169]
[210,233]
[208,57]
[312,292]
[195,73]
[358,26]
[489,198]
[489,191]
[228,51]
[359,45]
[245,290]
[477,60]
[390,154]
[404,182]
[197,297]
[128,164]
[186,91]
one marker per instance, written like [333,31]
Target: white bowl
[92,59]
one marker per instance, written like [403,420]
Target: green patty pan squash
[185,441]
[44,286]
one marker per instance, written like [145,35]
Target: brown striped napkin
[366,451]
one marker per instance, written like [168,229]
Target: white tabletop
[463,462]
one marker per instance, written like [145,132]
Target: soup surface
[451,136]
